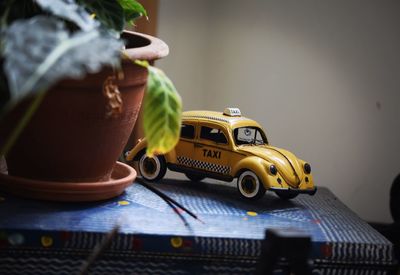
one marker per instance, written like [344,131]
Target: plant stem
[167,198]
[22,123]
[98,250]
[3,21]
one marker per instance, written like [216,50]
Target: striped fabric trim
[350,271]
[231,247]
[90,240]
[64,266]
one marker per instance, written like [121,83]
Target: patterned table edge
[68,262]
[16,241]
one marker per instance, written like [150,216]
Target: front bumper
[291,191]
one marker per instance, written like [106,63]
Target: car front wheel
[249,186]
[152,168]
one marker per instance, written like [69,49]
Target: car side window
[213,134]
[187,131]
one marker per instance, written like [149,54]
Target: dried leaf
[113,97]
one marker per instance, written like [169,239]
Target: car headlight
[273,170]
[307,168]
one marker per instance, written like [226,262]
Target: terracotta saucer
[122,176]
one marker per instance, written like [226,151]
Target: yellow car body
[226,145]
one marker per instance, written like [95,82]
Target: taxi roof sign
[232,112]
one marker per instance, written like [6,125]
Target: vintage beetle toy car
[225,146]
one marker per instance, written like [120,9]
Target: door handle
[198,145]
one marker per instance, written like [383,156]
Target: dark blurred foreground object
[395,199]
[290,245]
[392,231]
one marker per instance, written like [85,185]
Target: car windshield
[249,135]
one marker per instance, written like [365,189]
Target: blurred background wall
[322,77]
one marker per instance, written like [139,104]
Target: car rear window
[187,131]
[213,134]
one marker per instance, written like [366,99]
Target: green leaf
[162,113]
[53,54]
[108,12]
[132,9]
[11,10]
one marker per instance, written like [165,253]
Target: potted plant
[73,81]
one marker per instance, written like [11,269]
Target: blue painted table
[39,237]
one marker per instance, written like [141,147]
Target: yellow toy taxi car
[225,146]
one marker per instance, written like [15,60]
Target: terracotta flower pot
[70,138]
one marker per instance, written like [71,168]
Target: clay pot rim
[154,48]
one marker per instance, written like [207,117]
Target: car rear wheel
[249,186]
[285,195]
[152,168]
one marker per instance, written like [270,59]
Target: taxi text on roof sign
[232,112]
